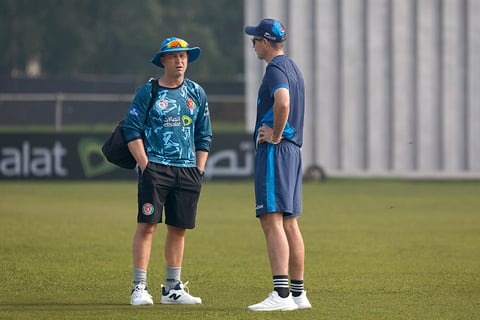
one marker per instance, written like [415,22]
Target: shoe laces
[140,289]
[184,287]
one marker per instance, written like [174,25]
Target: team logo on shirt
[148,209]
[190,104]
[163,104]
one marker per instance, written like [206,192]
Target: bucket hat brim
[193,54]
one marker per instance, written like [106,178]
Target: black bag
[115,149]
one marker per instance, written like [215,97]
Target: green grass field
[375,249]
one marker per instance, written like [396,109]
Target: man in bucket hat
[175,45]
[170,143]
[278,166]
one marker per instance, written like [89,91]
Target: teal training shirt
[177,126]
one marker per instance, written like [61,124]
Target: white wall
[392,86]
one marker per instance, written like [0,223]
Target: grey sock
[172,276]
[139,275]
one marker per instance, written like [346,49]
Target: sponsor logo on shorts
[148,209]
[259,206]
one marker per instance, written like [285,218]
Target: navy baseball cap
[269,29]
[173,45]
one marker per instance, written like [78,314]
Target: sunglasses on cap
[177,43]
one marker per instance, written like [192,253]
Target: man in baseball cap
[278,166]
[269,29]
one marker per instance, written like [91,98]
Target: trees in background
[117,37]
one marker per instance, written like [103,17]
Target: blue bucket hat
[269,29]
[174,44]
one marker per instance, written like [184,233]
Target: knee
[290,226]
[174,231]
[271,224]
[146,228]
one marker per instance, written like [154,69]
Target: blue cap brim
[251,31]
[193,54]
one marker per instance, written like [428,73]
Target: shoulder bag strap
[154,95]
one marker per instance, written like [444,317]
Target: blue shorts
[278,179]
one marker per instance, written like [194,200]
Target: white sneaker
[140,296]
[302,301]
[178,295]
[274,302]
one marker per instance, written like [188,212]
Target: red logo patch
[163,104]
[190,104]
[148,209]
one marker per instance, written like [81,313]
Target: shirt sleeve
[137,114]
[203,129]
[276,79]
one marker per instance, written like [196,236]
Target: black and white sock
[296,287]
[280,284]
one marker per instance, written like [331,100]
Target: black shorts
[177,189]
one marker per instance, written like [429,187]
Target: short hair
[276,45]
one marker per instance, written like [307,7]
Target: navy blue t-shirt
[282,72]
